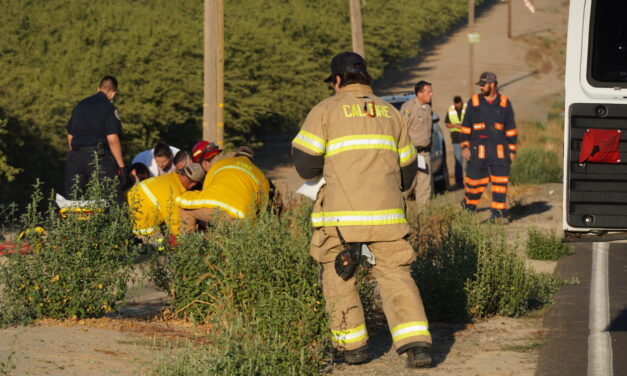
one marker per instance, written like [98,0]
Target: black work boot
[356,356]
[418,356]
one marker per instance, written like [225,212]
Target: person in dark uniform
[93,132]
[488,141]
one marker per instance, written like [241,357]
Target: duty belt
[98,148]
[423,149]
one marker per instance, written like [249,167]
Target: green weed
[465,272]
[536,165]
[7,365]
[545,245]
[255,284]
[77,267]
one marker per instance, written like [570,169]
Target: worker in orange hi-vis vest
[361,147]
[488,141]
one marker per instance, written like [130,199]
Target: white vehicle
[595,192]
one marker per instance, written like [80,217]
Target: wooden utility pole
[358,37]
[213,102]
[509,19]
[471,46]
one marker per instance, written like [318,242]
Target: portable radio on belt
[347,261]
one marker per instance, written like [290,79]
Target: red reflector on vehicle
[601,146]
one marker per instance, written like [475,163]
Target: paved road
[584,338]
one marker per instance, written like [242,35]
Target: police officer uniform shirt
[418,119]
[92,120]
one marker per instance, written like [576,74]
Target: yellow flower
[55,278]
[36,287]
[100,286]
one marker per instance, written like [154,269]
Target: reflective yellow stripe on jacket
[311,142]
[358,218]
[406,153]
[359,142]
[200,203]
[369,141]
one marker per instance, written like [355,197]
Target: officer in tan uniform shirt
[417,114]
[359,144]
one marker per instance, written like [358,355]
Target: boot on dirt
[418,356]
[356,356]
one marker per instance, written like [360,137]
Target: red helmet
[205,150]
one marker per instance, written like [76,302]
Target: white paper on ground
[63,203]
[311,188]
[422,162]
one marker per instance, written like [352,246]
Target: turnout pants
[190,217]
[479,173]
[401,298]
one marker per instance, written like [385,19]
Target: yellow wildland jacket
[152,203]
[234,185]
[364,143]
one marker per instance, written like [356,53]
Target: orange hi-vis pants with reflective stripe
[479,173]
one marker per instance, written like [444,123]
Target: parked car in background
[439,171]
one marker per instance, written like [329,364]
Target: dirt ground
[130,342]
[530,73]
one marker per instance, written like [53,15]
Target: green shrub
[536,165]
[78,267]
[445,263]
[466,272]
[545,245]
[255,284]
[503,285]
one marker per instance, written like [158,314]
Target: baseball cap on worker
[204,150]
[486,78]
[194,172]
[245,151]
[346,62]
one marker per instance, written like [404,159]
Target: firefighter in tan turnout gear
[359,144]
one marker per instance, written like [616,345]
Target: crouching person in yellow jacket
[233,185]
[152,201]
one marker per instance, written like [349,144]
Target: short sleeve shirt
[93,119]
[418,119]
[147,157]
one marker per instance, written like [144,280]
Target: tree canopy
[277,52]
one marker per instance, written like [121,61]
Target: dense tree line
[53,52]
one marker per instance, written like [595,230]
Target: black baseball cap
[486,78]
[346,62]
